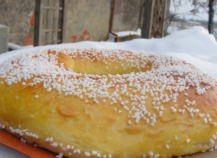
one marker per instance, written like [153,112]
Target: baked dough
[108,103]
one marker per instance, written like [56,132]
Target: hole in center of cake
[100,67]
[103,66]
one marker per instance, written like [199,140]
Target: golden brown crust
[166,107]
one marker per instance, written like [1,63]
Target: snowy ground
[194,45]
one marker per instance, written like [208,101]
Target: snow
[172,29]
[2,25]
[111,37]
[129,33]
[195,45]
[6,152]
[14,46]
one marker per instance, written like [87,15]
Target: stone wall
[126,16]
[87,19]
[92,18]
[16,14]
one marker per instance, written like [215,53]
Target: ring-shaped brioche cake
[108,103]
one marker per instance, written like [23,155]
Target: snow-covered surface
[172,29]
[6,152]
[111,37]
[2,25]
[128,33]
[14,46]
[194,45]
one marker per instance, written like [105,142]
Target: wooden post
[147,18]
[211,15]
[165,17]
[38,23]
[50,21]
[64,21]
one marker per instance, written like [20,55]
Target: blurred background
[28,23]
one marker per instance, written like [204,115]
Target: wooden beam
[50,21]
[211,16]
[147,18]
[165,17]
[52,42]
[65,2]
[55,8]
[38,23]
[52,30]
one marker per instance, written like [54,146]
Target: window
[49,22]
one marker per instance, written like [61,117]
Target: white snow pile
[194,45]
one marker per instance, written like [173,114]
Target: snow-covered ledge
[13,46]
